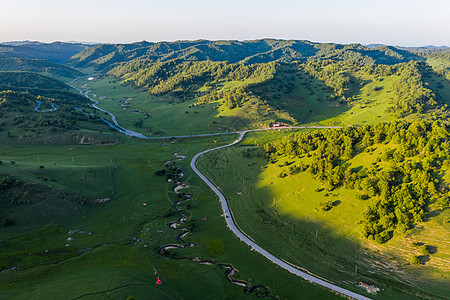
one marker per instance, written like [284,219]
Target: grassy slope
[283,215]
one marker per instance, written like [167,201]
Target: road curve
[232,226]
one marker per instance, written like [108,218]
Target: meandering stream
[261,291]
[39,103]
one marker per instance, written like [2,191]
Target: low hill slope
[38,66]
[37,85]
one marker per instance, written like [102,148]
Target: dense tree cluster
[37,65]
[44,121]
[38,85]
[402,181]
[30,80]
[410,95]
[11,99]
[331,73]
[248,52]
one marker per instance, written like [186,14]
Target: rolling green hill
[360,203]
[38,66]
[336,92]
[248,52]
[38,85]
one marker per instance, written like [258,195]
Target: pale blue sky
[394,22]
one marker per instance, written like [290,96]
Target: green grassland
[284,216]
[83,214]
[168,116]
[88,250]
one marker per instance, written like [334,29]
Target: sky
[392,22]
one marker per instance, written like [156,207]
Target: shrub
[326,206]
[423,250]
[7,222]
[415,260]
[160,172]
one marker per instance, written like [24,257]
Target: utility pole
[316,234]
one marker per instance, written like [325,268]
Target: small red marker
[158,281]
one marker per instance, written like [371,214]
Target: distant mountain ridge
[106,56]
[27,42]
[55,52]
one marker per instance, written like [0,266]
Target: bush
[160,172]
[423,250]
[326,206]
[415,260]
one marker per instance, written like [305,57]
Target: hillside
[57,52]
[336,92]
[37,85]
[375,197]
[248,52]
[38,66]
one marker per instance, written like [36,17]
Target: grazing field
[108,248]
[284,216]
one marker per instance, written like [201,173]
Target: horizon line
[216,40]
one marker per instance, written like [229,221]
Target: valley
[90,192]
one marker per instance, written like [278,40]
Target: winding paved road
[252,244]
[228,217]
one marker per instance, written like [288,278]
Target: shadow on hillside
[304,97]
